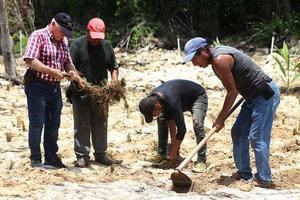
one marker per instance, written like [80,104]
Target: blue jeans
[253,125]
[44,109]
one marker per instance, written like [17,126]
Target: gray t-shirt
[246,73]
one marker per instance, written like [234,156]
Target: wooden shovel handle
[204,140]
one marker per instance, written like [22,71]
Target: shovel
[179,179]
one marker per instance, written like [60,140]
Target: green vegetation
[131,23]
[168,19]
[216,42]
[139,32]
[17,43]
[281,25]
[290,71]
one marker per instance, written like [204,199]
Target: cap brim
[188,57]
[97,35]
[149,118]
[66,32]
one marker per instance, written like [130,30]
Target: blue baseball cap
[191,48]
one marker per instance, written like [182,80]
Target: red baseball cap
[97,28]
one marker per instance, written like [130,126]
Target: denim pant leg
[52,122]
[99,131]
[82,118]
[240,139]
[163,132]
[36,113]
[199,110]
[260,133]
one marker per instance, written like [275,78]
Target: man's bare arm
[115,74]
[37,65]
[175,142]
[222,66]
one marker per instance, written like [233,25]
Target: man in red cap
[93,56]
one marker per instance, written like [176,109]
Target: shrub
[217,42]
[17,42]
[138,33]
[282,26]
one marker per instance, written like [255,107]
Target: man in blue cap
[241,75]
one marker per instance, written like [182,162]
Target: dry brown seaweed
[107,95]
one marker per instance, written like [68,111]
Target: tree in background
[131,21]
[20,16]
[7,45]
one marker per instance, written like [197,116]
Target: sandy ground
[134,141]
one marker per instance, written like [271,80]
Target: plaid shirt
[42,46]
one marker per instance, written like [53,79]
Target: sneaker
[200,167]
[56,163]
[105,160]
[36,163]
[82,162]
[263,184]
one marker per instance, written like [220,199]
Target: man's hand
[56,73]
[74,76]
[173,156]
[218,124]
[174,153]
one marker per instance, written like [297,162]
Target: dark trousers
[44,110]
[198,110]
[89,121]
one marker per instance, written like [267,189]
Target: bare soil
[134,141]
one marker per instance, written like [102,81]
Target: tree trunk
[7,45]
[17,15]
[31,16]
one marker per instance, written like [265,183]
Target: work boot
[36,163]
[82,162]
[263,184]
[157,158]
[55,163]
[237,176]
[200,167]
[105,160]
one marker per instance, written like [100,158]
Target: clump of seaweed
[107,94]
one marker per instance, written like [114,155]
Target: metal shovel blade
[181,180]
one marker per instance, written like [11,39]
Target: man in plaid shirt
[47,56]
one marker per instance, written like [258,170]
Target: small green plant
[138,33]
[18,43]
[290,71]
[216,42]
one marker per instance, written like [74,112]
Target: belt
[50,83]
